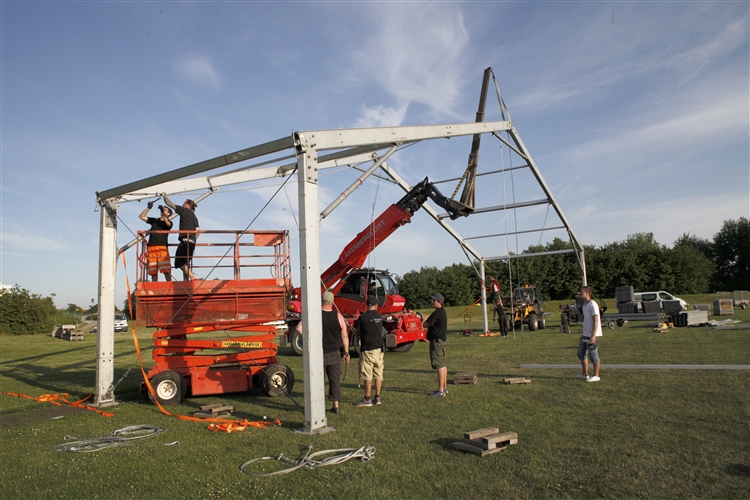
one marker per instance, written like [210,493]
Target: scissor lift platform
[185,314]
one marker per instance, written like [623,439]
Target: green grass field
[636,434]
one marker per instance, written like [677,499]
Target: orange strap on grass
[230,427]
[59,400]
[225,425]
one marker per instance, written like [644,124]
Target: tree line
[691,265]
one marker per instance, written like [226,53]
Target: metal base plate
[316,432]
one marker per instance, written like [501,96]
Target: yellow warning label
[237,343]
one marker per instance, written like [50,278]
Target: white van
[121,323]
[659,296]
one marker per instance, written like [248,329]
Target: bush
[24,313]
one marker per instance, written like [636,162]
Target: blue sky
[636,114]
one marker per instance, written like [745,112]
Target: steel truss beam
[348,147]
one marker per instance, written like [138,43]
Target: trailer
[216,336]
[741,299]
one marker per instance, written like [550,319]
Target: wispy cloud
[381,116]
[417,54]
[705,213]
[603,55]
[199,70]
[18,240]
[673,130]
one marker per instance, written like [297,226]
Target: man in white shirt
[592,328]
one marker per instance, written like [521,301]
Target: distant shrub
[24,313]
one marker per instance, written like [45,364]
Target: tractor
[527,308]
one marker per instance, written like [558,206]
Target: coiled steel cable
[365,454]
[118,438]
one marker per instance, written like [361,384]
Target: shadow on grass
[51,379]
[11,419]
[738,470]
[445,443]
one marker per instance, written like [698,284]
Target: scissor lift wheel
[276,379]
[169,386]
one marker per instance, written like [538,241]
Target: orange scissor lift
[189,354]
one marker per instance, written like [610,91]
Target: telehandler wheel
[402,348]
[169,386]
[276,379]
[296,342]
[533,322]
[542,323]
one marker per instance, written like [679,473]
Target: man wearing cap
[372,346]
[437,334]
[334,338]
[189,228]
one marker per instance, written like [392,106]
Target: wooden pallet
[516,380]
[486,441]
[214,411]
[464,378]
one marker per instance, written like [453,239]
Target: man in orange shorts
[158,251]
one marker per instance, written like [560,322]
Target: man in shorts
[588,345]
[437,334]
[189,228]
[158,252]
[372,347]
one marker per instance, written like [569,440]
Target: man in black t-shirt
[372,346]
[335,338]
[188,222]
[437,334]
[158,252]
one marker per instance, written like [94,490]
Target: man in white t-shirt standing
[588,345]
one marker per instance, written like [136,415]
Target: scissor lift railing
[246,309]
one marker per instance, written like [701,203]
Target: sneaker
[593,379]
[364,402]
[335,410]
[438,393]
[581,375]
[376,400]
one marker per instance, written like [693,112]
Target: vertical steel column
[484,297]
[312,323]
[105,327]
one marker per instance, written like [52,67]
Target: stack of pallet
[486,441]
[67,332]
[723,307]
[214,411]
[651,306]
[464,378]
[690,318]
[624,296]
[516,380]
[671,306]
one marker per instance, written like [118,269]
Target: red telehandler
[351,284]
